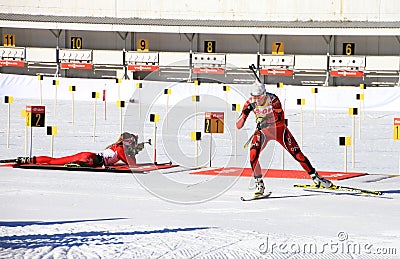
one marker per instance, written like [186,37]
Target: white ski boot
[259,187]
[320,181]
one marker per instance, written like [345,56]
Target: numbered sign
[76,42]
[9,40]
[209,46]
[278,48]
[214,122]
[349,48]
[35,116]
[396,129]
[143,45]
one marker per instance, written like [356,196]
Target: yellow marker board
[278,48]
[154,117]
[345,141]
[195,135]
[396,129]
[214,122]
[143,45]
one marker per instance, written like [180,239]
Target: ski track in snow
[200,242]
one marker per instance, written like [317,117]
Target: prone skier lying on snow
[124,149]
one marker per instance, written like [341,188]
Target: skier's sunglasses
[257,97]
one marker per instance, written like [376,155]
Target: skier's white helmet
[257,89]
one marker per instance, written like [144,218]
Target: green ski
[339,188]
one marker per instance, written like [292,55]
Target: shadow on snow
[33,241]
[47,223]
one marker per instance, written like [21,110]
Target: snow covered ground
[174,214]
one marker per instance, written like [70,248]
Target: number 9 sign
[143,45]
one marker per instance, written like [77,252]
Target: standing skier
[124,149]
[270,119]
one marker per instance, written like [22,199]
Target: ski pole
[253,68]
[146,142]
[249,140]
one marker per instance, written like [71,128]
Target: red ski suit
[271,125]
[110,156]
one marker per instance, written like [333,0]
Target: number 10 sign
[214,122]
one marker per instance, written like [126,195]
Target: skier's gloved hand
[130,151]
[140,147]
[249,108]
[264,123]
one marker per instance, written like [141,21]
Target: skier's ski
[259,197]
[13,160]
[339,188]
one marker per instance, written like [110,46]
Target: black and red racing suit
[271,125]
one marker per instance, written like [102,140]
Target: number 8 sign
[209,46]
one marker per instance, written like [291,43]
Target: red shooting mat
[122,168]
[277,173]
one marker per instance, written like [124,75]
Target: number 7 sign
[278,48]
